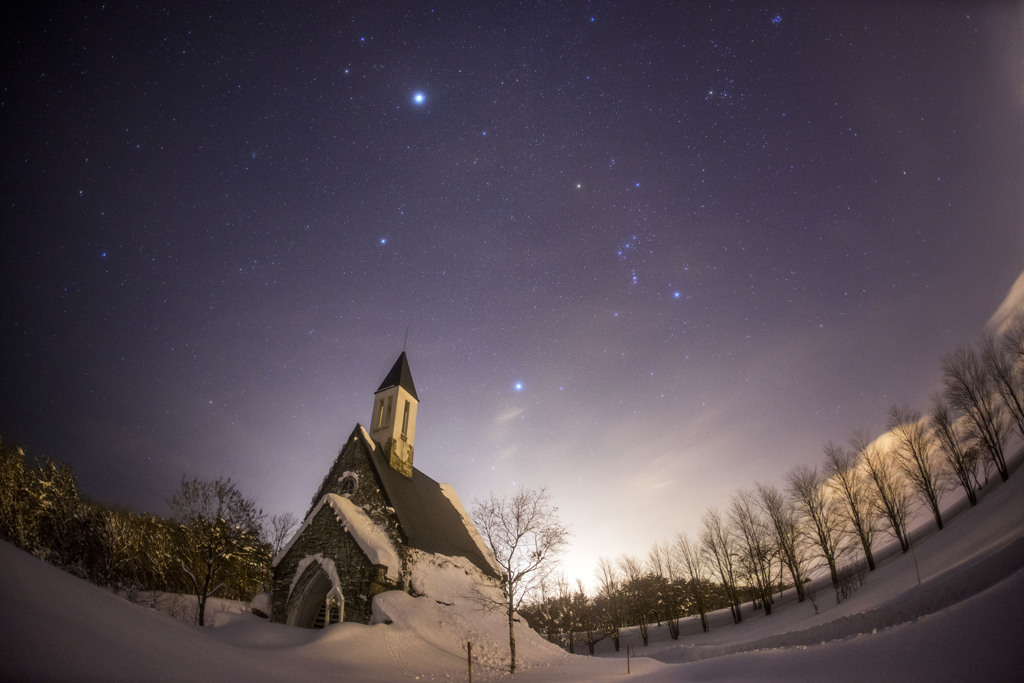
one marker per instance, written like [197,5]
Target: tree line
[770,539]
[216,541]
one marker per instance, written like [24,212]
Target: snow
[370,443]
[451,614]
[326,563]
[372,539]
[962,621]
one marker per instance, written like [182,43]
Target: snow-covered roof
[467,522]
[371,538]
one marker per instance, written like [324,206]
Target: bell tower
[393,424]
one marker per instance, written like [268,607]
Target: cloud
[507,416]
[1013,303]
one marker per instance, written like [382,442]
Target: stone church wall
[354,461]
[360,580]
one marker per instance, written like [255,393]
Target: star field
[645,249]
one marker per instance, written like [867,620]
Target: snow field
[964,621]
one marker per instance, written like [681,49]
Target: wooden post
[627,659]
[469,659]
[914,554]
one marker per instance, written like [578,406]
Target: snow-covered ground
[963,621]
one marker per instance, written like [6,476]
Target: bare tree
[847,483]
[696,571]
[590,623]
[525,535]
[780,512]
[664,565]
[971,390]
[1013,340]
[758,550]
[891,499]
[217,526]
[655,566]
[721,552]
[567,617]
[279,529]
[960,458]
[916,456]
[638,591]
[1002,364]
[541,613]
[822,516]
[609,599]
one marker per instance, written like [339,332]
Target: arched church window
[348,485]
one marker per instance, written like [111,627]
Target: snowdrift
[57,627]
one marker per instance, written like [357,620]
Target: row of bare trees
[826,517]
[660,589]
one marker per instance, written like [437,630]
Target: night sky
[646,254]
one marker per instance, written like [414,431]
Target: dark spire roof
[399,377]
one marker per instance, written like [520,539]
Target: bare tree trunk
[511,638]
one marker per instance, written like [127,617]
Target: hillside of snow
[964,620]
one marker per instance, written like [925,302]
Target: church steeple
[393,424]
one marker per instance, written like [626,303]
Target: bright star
[419,98]
[519,386]
[383,240]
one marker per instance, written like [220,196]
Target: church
[372,516]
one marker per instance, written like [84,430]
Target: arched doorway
[321,604]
